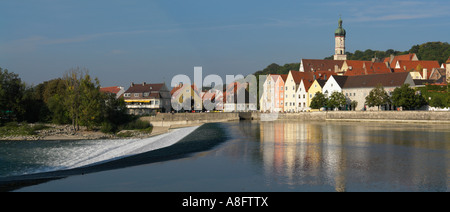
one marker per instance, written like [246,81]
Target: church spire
[339,36]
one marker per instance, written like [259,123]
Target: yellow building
[315,87]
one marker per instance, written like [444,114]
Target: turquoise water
[281,156]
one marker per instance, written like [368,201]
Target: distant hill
[428,51]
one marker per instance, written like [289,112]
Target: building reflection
[334,154]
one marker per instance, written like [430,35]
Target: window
[304,96]
[310,96]
[136,95]
[146,94]
[127,95]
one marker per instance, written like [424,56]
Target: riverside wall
[183,119]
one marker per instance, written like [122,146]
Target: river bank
[52,132]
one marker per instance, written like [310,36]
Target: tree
[318,101]
[377,97]
[337,100]
[91,102]
[407,98]
[11,93]
[72,102]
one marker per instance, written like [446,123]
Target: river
[275,156]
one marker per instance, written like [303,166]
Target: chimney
[425,74]
[132,84]
[143,84]
[336,68]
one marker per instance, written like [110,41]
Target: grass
[20,129]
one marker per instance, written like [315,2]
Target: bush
[137,125]
[108,128]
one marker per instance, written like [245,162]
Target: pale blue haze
[134,41]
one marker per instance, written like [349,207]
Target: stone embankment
[177,119]
[380,116]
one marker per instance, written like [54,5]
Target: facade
[302,101]
[357,88]
[339,48]
[267,101]
[145,99]
[316,86]
[240,100]
[279,92]
[291,85]
[334,84]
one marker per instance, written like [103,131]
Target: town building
[392,60]
[333,67]
[419,69]
[146,99]
[186,97]
[357,88]
[447,67]
[316,86]
[334,84]
[240,100]
[117,91]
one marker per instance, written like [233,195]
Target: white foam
[100,151]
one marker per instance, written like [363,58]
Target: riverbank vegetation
[73,99]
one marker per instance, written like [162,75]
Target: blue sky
[144,40]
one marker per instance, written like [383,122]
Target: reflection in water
[355,156]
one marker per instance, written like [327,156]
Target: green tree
[59,112]
[11,94]
[318,101]
[91,102]
[377,97]
[407,98]
[72,100]
[337,100]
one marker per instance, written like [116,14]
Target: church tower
[339,49]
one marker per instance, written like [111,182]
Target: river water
[276,156]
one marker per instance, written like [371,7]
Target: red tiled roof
[310,65]
[407,57]
[407,66]
[114,89]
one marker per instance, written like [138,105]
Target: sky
[124,41]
